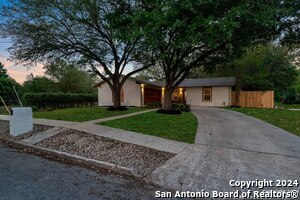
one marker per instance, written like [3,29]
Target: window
[206,94]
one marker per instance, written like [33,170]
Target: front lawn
[288,120]
[82,114]
[288,106]
[175,127]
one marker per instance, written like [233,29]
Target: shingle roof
[220,81]
[199,82]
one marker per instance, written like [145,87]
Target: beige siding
[132,94]
[220,96]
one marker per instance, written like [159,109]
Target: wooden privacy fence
[254,99]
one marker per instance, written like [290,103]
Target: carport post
[142,94]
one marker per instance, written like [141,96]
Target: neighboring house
[196,92]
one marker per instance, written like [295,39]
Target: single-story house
[196,92]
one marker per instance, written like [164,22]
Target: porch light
[180,91]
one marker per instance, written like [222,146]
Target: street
[25,176]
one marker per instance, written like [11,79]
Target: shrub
[58,100]
[121,108]
[49,109]
[181,107]
[169,112]
[153,105]
[34,108]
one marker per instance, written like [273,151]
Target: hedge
[181,107]
[58,100]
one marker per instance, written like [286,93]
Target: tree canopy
[70,79]
[78,31]
[178,35]
[262,67]
[61,78]
[40,84]
[187,34]
[265,68]
[3,71]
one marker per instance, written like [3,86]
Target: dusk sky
[18,72]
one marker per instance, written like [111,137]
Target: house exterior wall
[221,96]
[132,94]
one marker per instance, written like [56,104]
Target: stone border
[71,159]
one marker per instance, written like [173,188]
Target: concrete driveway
[231,146]
[224,128]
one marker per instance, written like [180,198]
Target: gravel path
[141,159]
[4,131]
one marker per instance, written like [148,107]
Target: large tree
[154,73]
[262,67]
[70,79]
[47,30]
[190,33]
[40,84]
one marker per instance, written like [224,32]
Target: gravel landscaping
[4,131]
[141,159]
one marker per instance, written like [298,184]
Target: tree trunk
[116,98]
[168,99]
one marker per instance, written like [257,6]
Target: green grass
[297,106]
[82,114]
[288,120]
[175,127]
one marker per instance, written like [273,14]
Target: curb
[70,158]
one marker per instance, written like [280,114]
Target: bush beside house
[59,100]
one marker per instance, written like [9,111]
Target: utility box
[21,121]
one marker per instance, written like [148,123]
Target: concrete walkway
[224,128]
[43,135]
[149,141]
[117,117]
[294,109]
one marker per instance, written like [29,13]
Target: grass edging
[70,159]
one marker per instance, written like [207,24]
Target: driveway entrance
[224,128]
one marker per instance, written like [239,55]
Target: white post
[21,121]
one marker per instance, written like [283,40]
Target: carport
[152,94]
